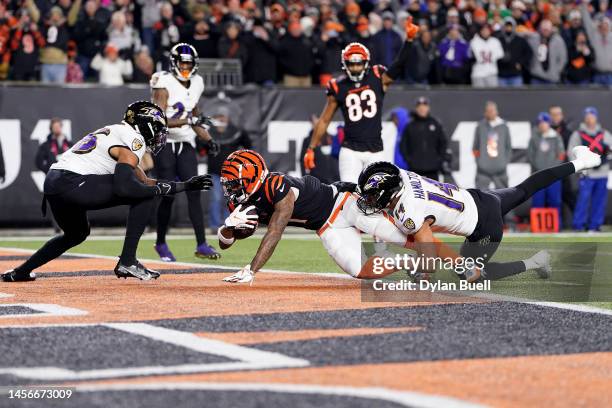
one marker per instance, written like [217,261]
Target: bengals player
[359,94]
[281,200]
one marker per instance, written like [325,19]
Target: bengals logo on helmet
[242,174]
[355,53]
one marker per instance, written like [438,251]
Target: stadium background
[26,111]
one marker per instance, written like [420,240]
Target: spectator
[123,36]
[276,24]
[296,56]
[480,19]
[231,44]
[452,20]
[230,138]
[593,186]
[486,50]
[424,60]
[203,40]
[149,15]
[492,149]
[53,56]
[436,16]
[386,43]
[423,144]
[112,69]
[7,23]
[550,55]
[25,46]
[569,185]
[523,25]
[574,27]
[601,40]
[517,55]
[166,33]
[350,20]
[74,74]
[56,144]
[89,34]
[400,118]
[332,41]
[546,150]
[581,58]
[454,58]
[143,67]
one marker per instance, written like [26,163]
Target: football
[245,233]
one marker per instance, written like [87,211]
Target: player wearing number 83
[359,94]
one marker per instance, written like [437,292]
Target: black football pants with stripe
[492,206]
[179,162]
[70,196]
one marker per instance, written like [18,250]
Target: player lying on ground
[419,206]
[359,94]
[256,195]
[178,92]
[101,171]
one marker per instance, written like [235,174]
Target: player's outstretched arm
[160,98]
[320,129]
[279,220]
[397,66]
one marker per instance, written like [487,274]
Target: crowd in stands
[298,42]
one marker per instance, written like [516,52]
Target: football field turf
[291,339]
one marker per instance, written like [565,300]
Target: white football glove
[245,275]
[239,219]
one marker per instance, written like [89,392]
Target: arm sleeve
[97,62]
[125,183]
[397,66]
[587,21]
[276,188]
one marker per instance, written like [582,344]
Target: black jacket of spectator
[580,64]
[48,151]
[205,44]
[329,53]
[385,47]
[262,63]
[296,55]
[90,35]
[565,131]
[229,141]
[237,49]
[423,145]
[423,62]
[517,55]
[60,40]
[25,45]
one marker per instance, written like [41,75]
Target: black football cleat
[136,270]
[14,276]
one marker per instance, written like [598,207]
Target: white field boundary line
[44,309]
[405,398]
[566,306]
[243,358]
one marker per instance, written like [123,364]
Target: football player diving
[256,195]
[420,206]
[178,92]
[101,171]
[359,94]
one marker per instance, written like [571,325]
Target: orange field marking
[532,381]
[244,338]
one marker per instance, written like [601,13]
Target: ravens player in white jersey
[178,92]
[420,206]
[101,171]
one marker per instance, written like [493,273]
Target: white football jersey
[181,101]
[90,155]
[453,209]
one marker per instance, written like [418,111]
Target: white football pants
[351,162]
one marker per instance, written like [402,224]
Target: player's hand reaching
[203,182]
[245,275]
[242,218]
[213,148]
[309,159]
[411,29]
[200,120]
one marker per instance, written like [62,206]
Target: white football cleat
[543,268]
[585,159]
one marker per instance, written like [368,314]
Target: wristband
[222,239]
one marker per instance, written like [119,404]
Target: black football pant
[492,206]
[69,197]
[179,161]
